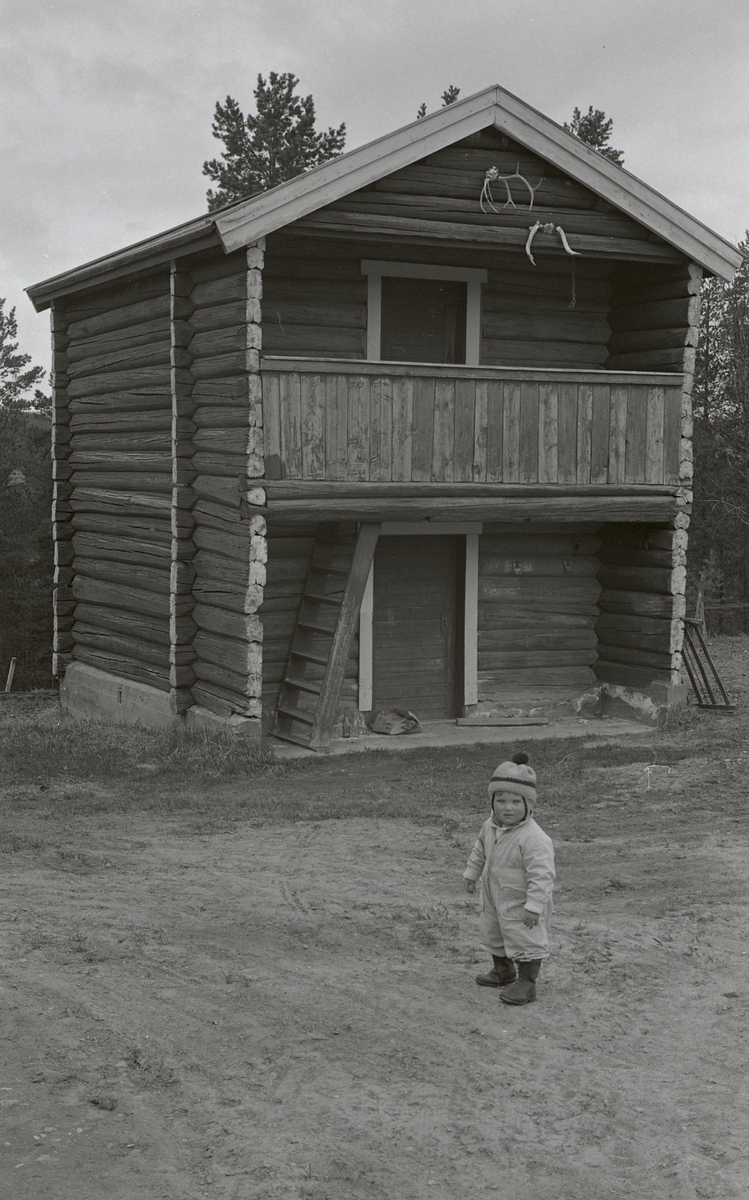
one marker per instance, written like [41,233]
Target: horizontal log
[131,624]
[220,316]
[233,389]
[647,360]
[106,500]
[215,264]
[519,640]
[636,579]
[222,417]
[220,291]
[147,482]
[148,579]
[514,623]
[210,515]
[243,627]
[626,556]
[303,489]
[239,656]
[661,314]
[454,231]
[302,312]
[319,340]
[530,659]
[232,681]
[633,508]
[221,465]
[126,423]
[144,333]
[634,656]
[217,568]
[137,649]
[542,353]
[125,358]
[491,682]
[121,460]
[546,565]
[217,700]
[127,668]
[218,366]
[120,381]
[113,548]
[633,625]
[435,181]
[533,587]
[106,441]
[235,546]
[658,642]
[121,317]
[546,326]
[218,489]
[153,399]
[650,339]
[539,546]
[646,604]
[213,342]
[220,594]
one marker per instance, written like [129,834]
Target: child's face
[509,808]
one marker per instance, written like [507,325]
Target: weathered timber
[155,397]
[636,579]
[626,675]
[128,357]
[600,508]
[106,500]
[237,655]
[220,291]
[646,604]
[232,681]
[131,624]
[221,464]
[222,418]
[149,579]
[107,425]
[121,549]
[146,482]
[245,627]
[127,668]
[137,649]
[123,317]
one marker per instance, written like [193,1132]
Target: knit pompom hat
[515,776]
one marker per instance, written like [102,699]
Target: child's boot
[502,973]
[523,990]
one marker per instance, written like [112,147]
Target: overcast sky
[106,105]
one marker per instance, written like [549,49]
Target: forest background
[263,149]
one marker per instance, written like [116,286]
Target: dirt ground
[225,995]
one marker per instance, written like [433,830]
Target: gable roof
[248,220]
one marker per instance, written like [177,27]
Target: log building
[413,428]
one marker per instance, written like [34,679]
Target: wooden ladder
[702,671]
[322,639]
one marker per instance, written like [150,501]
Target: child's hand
[530,918]
[469,885]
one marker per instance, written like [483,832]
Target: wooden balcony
[366,422]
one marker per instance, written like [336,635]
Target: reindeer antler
[493,176]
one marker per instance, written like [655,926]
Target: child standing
[514,860]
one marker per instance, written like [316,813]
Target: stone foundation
[94,695]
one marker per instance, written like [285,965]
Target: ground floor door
[417,619]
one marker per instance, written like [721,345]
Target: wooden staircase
[322,639]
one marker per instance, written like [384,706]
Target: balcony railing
[389,422]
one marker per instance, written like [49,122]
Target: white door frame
[471,531]
[374,269]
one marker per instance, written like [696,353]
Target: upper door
[423,320]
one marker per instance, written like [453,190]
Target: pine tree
[594,128]
[719,533]
[264,149]
[25,524]
[449,96]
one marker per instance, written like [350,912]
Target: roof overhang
[247,221]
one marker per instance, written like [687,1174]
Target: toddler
[514,859]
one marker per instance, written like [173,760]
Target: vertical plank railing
[360,423]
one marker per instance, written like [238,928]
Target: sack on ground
[396,720]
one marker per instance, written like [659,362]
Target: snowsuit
[516,868]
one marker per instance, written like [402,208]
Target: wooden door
[417,620]
[423,320]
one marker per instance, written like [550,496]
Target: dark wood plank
[599,434]
[636,435]
[423,429]
[528,444]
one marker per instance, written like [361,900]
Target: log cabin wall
[119,475]
[230,550]
[537,608]
[640,630]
